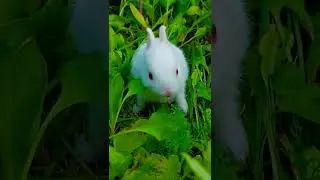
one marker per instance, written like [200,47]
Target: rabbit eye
[177,72]
[150,76]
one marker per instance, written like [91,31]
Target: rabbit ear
[162,33]
[150,37]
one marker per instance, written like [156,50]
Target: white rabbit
[161,66]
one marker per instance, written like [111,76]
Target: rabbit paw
[182,103]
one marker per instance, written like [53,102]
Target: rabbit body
[161,66]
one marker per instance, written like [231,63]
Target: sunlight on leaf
[138,16]
[197,168]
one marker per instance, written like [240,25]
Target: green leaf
[294,95]
[135,87]
[112,39]
[268,49]
[119,162]
[117,21]
[129,142]
[289,80]
[182,7]
[203,91]
[23,78]
[201,31]
[300,105]
[115,97]
[161,125]
[197,168]
[138,16]
[120,41]
[193,10]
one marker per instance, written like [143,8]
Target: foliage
[31,73]
[280,92]
[154,142]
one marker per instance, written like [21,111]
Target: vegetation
[159,143]
[281,91]
[45,84]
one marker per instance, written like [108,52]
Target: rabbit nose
[167,92]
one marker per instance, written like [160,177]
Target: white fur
[232,41]
[161,58]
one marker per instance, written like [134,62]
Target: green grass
[152,145]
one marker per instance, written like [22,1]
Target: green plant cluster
[281,91]
[159,144]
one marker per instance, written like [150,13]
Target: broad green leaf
[161,125]
[120,41]
[129,142]
[193,10]
[118,162]
[116,21]
[268,49]
[112,39]
[115,97]
[23,78]
[300,105]
[135,87]
[138,16]
[83,80]
[197,168]
[289,80]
